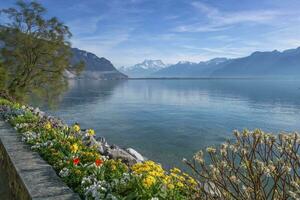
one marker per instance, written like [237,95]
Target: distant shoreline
[210,78]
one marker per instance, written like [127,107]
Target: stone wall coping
[33,174]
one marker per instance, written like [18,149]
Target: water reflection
[170,119]
[86,91]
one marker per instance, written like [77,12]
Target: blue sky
[129,31]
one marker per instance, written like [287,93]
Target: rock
[126,157]
[101,145]
[36,110]
[41,114]
[102,140]
[113,146]
[135,154]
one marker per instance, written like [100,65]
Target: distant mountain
[95,67]
[190,69]
[143,69]
[274,63]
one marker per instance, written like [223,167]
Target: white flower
[64,172]
[211,150]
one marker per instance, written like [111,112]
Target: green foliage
[36,52]
[5,102]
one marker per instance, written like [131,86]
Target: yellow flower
[90,132]
[179,184]
[74,148]
[76,128]
[47,126]
[171,186]
[149,181]
[71,137]
[176,170]
[156,173]
[166,179]
[192,181]
[148,167]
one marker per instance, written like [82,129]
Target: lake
[167,120]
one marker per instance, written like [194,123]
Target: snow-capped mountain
[143,69]
[149,64]
[190,69]
[258,64]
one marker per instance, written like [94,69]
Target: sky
[129,31]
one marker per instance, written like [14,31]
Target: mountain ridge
[95,67]
[143,69]
[258,63]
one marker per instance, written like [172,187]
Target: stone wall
[30,177]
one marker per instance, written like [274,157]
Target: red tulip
[76,161]
[98,162]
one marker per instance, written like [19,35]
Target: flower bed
[84,169]
[256,165]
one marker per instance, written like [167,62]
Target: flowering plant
[257,166]
[84,169]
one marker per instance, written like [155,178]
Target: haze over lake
[167,120]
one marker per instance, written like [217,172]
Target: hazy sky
[129,31]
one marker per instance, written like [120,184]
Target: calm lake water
[167,120]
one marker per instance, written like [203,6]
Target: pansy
[76,128]
[48,126]
[90,132]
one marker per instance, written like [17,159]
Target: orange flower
[98,162]
[76,161]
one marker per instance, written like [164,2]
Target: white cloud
[124,43]
[217,20]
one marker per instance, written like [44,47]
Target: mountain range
[190,69]
[270,63]
[144,69]
[274,63]
[95,67]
